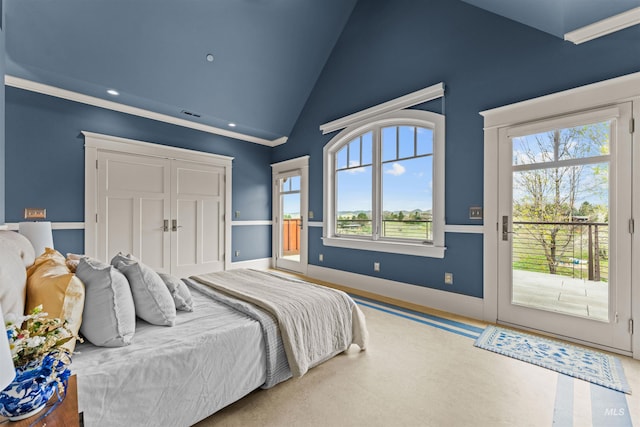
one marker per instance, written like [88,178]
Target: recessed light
[113,92]
[209,57]
[232,125]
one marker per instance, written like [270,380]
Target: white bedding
[211,357]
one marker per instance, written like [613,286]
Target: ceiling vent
[189,113]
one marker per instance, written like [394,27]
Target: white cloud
[396,170]
[354,170]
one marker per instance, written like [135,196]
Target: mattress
[173,376]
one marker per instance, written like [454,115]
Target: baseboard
[461,305]
[258,264]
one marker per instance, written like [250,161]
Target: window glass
[341,158]
[354,201]
[407,200]
[294,183]
[389,143]
[584,141]
[367,148]
[407,142]
[425,141]
[562,144]
[354,153]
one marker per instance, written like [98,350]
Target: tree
[547,194]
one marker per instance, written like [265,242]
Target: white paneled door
[134,195]
[197,224]
[169,212]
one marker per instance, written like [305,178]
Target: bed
[233,342]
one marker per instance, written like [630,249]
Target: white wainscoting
[54,226]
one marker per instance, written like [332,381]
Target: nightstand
[65,415]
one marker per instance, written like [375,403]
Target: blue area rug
[578,362]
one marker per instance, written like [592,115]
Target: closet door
[133,203]
[198,207]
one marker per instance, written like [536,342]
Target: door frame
[300,164]
[600,94]
[94,142]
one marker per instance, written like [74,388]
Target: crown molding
[57,92]
[617,89]
[606,26]
[406,101]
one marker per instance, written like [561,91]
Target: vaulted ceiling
[248,62]
[556,17]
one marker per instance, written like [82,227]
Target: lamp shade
[38,233]
[7,371]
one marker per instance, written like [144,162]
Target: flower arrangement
[34,336]
[40,360]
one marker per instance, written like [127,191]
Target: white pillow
[24,247]
[13,279]
[151,297]
[109,317]
[179,292]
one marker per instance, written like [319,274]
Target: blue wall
[389,49]
[45,162]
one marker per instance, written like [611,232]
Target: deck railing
[291,236]
[393,228]
[576,249]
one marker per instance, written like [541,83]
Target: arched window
[384,185]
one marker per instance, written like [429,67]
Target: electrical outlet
[237,253]
[310,214]
[376,266]
[236,214]
[448,278]
[321,257]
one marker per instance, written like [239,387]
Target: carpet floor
[421,372]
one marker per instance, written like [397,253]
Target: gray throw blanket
[316,322]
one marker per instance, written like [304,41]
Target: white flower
[12,319]
[35,341]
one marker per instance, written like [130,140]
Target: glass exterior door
[565,263]
[290,222]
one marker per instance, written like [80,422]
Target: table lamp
[39,234]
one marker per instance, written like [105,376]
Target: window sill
[416,249]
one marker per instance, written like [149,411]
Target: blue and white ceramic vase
[32,387]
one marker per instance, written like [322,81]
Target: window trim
[420,118]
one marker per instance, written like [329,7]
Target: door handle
[174,225]
[165,226]
[505,228]
[301,221]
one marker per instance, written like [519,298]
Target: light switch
[35,213]
[475,212]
